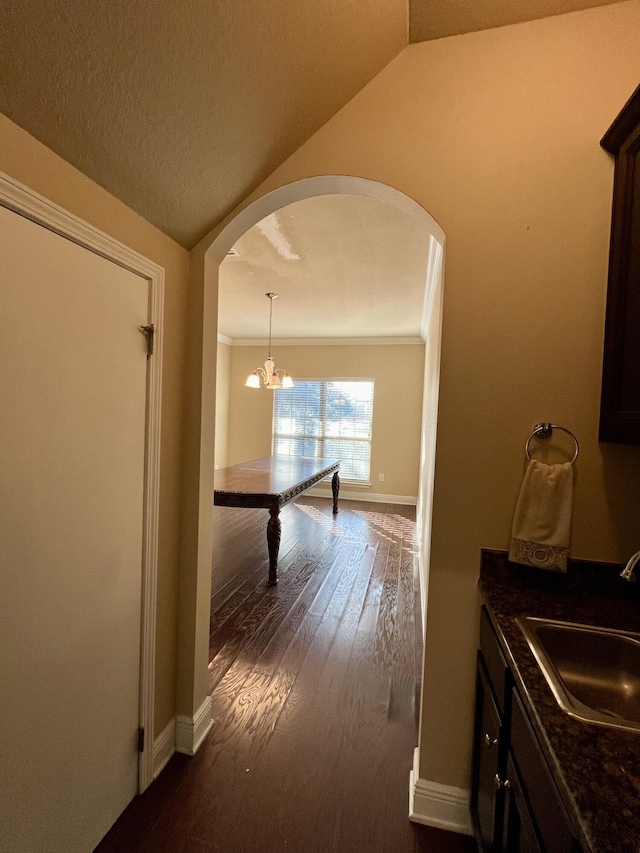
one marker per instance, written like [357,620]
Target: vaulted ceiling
[434,19]
[180,108]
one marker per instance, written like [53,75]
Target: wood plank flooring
[314,689]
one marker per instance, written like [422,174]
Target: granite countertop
[597,769]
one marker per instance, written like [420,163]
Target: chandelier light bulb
[274,378]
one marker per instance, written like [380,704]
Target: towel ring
[544,431]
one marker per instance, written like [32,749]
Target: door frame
[199,435]
[30,204]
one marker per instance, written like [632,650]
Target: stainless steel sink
[594,672]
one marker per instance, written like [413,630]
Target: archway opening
[428,329]
[198,528]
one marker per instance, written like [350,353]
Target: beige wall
[223,378]
[397,373]
[496,135]
[28,161]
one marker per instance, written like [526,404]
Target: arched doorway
[193,702]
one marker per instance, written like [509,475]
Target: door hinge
[148,332]
[140,739]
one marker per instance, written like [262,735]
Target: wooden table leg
[335,488]
[274,532]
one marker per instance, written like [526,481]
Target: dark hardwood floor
[314,689]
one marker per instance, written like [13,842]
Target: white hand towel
[542,522]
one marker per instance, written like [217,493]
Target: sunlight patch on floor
[396,525]
[328,522]
[386,525]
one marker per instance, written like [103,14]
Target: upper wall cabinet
[620,402]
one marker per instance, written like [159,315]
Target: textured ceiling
[342,266]
[434,19]
[180,108]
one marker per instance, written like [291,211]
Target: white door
[72,448]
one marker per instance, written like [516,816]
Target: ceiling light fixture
[275,379]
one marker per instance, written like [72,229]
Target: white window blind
[328,418]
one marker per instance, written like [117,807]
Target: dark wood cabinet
[519,834]
[487,792]
[545,812]
[490,740]
[515,806]
[620,400]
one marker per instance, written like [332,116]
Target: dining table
[270,483]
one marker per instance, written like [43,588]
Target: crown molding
[321,342]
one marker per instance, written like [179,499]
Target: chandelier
[272,377]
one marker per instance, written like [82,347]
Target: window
[326,417]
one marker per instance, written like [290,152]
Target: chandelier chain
[272,377]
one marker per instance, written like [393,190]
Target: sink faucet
[627,572]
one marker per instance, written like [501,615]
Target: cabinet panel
[486,796]
[519,834]
[497,668]
[538,787]
[620,402]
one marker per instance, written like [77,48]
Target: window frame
[324,381]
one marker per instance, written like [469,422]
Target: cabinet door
[519,835]
[620,402]
[545,807]
[486,794]
[495,665]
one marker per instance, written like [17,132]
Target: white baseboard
[442,806]
[405,500]
[190,732]
[163,747]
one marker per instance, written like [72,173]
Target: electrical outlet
[381,478]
